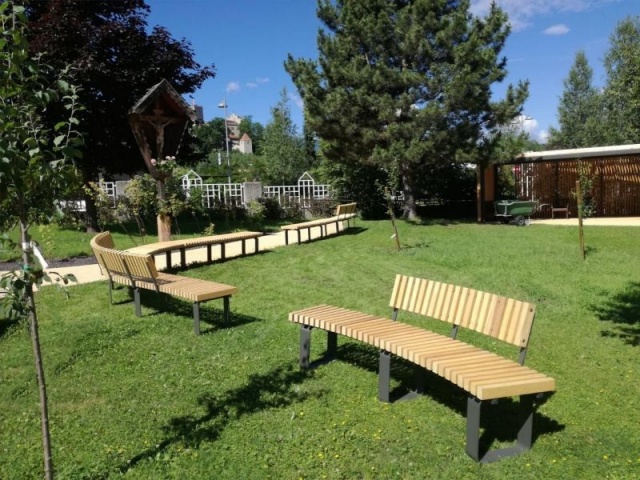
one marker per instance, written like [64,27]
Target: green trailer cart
[515,211]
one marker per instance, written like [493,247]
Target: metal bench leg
[305,345]
[225,302]
[257,249]
[183,257]
[223,251]
[473,427]
[384,376]
[110,292]
[209,256]
[299,237]
[286,237]
[332,345]
[525,433]
[244,247]
[136,301]
[168,256]
[196,318]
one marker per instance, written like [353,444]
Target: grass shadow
[7,326]
[209,314]
[623,311]
[500,420]
[164,303]
[441,222]
[177,269]
[346,232]
[275,389]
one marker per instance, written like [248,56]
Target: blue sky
[249,40]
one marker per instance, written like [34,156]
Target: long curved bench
[183,245]
[138,271]
[344,213]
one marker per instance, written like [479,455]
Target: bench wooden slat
[528,387]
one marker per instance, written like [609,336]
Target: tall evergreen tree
[622,63]
[115,60]
[580,113]
[406,84]
[282,147]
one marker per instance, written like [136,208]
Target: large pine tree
[622,91]
[580,112]
[405,85]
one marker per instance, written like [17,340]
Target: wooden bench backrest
[346,209]
[140,267]
[499,317]
[99,243]
[115,262]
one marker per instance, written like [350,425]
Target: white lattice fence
[212,193]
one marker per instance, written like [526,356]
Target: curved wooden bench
[138,271]
[344,212]
[484,375]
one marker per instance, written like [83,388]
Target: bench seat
[209,241]
[482,374]
[477,371]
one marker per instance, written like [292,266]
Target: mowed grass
[144,398]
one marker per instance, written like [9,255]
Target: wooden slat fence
[615,184]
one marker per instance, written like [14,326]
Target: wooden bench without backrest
[139,272]
[344,212]
[484,375]
[186,243]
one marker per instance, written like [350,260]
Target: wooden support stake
[393,220]
[580,227]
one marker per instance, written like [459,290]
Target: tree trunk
[91,212]
[163,220]
[409,207]
[37,354]
[91,215]
[164,228]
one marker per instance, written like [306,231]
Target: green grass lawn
[144,398]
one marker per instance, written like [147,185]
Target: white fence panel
[302,193]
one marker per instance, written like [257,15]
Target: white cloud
[297,100]
[258,81]
[543,136]
[527,124]
[530,125]
[559,29]
[233,87]
[521,12]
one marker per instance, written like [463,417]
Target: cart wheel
[520,221]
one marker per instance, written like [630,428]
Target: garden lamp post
[223,104]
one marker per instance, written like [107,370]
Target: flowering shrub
[140,201]
[165,168]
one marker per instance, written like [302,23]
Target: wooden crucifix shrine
[158,121]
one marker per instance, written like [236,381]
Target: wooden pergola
[549,177]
